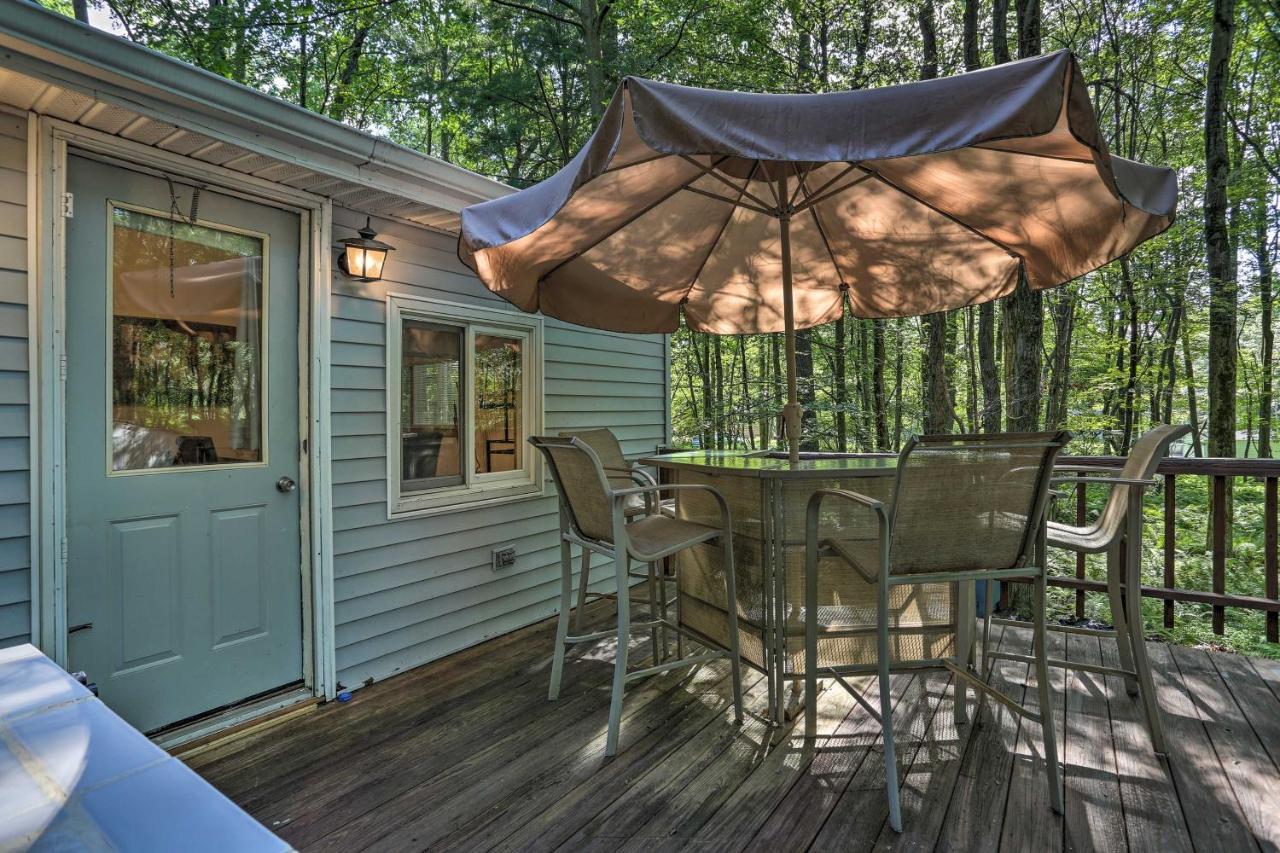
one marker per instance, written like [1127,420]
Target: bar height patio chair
[966,509]
[623,474]
[593,515]
[1117,530]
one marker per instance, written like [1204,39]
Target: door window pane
[187,345]
[430,405]
[499,403]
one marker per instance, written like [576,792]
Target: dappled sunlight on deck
[468,754]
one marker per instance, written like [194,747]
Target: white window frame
[476,490]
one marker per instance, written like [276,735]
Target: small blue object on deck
[344,696]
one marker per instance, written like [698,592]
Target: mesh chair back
[608,451]
[580,479]
[1144,459]
[970,503]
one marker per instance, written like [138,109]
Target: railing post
[1081,508]
[1170,512]
[1219,547]
[1269,549]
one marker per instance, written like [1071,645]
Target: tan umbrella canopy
[759,213]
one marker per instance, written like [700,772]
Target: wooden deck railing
[1219,472]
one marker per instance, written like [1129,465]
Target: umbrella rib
[849,167]
[822,232]
[710,170]
[719,234]
[629,220]
[1030,154]
[731,202]
[634,163]
[965,225]
[816,199]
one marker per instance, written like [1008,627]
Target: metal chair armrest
[1106,481]
[868,503]
[619,495]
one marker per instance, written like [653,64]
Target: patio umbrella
[762,213]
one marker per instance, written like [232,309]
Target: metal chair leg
[584,578]
[661,570]
[1118,620]
[620,660]
[1133,582]
[1046,698]
[562,622]
[964,646]
[886,704]
[654,653]
[679,621]
[731,591]
[811,633]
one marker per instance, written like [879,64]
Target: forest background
[1180,331]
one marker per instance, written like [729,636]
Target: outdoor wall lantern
[363,257]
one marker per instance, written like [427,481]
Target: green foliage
[512,88]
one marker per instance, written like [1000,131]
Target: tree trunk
[593,56]
[897,391]
[717,385]
[1000,31]
[972,59]
[1130,415]
[806,396]
[989,369]
[1265,293]
[1064,310]
[1192,407]
[936,411]
[877,385]
[1024,309]
[1222,283]
[1025,323]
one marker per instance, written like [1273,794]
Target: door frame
[49,141]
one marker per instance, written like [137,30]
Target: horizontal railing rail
[1219,471]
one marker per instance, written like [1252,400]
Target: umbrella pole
[791,414]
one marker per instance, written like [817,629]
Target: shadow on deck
[468,754]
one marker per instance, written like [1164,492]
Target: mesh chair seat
[659,534]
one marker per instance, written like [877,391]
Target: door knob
[286,485]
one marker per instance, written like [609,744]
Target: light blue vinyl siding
[412,590]
[15,462]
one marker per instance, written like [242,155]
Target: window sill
[460,500]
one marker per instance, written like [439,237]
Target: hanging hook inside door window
[175,213]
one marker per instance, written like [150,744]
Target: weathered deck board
[468,754]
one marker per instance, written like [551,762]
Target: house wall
[15,478]
[407,591]
[412,590]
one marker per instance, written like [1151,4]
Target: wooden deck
[468,754]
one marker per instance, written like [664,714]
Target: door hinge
[62,366]
[63,546]
[68,205]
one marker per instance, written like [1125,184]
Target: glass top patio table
[767,498]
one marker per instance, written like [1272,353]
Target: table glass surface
[777,464]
